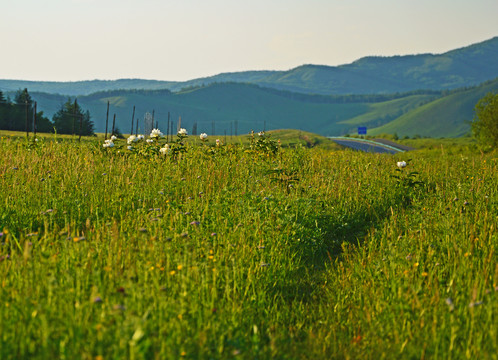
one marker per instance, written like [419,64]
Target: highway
[365,145]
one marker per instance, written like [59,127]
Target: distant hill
[467,66]
[77,88]
[447,116]
[245,107]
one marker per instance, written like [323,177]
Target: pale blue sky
[64,40]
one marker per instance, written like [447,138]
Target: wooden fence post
[106,120]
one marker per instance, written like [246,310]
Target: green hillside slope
[242,106]
[233,107]
[447,116]
[384,112]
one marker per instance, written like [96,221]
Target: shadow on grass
[335,232]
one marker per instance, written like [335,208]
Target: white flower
[156,133]
[401,164]
[183,132]
[129,147]
[164,150]
[203,136]
[113,137]
[261,133]
[149,141]
[140,137]
[132,139]
[108,144]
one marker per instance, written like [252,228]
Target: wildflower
[149,141]
[401,164]
[203,136]
[132,139]
[165,150]
[155,133]
[108,144]
[261,133]
[97,299]
[129,147]
[182,132]
[450,304]
[140,137]
[114,137]
[477,303]
[218,142]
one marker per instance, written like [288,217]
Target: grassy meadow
[248,250]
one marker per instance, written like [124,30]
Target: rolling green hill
[467,66]
[447,116]
[247,107]
[242,107]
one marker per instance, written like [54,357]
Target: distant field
[249,249]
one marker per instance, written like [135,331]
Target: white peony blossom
[203,136]
[155,133]
[114,137]
[165,150]
[183,132]
[108,144]
[132,139]
[401,164]
[140,137]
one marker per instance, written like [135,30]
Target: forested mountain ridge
[466,66]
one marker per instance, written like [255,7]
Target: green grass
[230,252]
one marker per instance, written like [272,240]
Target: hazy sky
[64,40]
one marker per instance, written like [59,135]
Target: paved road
[365,146]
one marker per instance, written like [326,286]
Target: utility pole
[132,118]
[74,113]
[167,130]
[113,123]
[27,131]
[81,125]
[34,122]
[106,120]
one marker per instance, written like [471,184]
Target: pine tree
[21,109]
[4,111]
[67,119]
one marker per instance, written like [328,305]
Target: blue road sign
[362,130]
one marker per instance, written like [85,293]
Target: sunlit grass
[226,253]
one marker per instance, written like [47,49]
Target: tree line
[21,115]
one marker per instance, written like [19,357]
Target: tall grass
[227,252]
